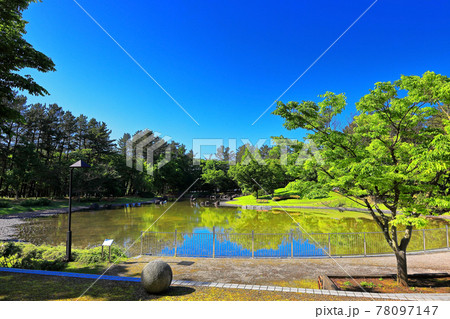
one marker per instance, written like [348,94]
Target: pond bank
[270,207]
[341,209]
[8,222]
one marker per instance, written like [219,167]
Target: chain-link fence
[294,244]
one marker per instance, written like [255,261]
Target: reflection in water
[125,225]
[229,245]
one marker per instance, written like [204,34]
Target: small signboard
[108,242]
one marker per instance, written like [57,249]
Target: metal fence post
[253,244]
[365,245]
[329,244]
[176,243]
[142,238]
[292,244]
[214,242]
[423,233]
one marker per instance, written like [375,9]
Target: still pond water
[124,225]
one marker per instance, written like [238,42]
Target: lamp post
[79,164]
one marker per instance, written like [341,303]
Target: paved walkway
[408,297]
[282,272]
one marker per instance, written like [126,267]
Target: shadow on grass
[86,269]
[134,268]
[37,287]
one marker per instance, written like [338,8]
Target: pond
[124,225]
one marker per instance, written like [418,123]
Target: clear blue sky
[225,62]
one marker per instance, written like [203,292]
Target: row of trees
[37,148]
[38,142]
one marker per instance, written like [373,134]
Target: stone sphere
[156,276]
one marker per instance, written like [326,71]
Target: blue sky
[225,62]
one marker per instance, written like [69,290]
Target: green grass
[97,268]
[36,287]
[16,208]
[328,213]
[333,200]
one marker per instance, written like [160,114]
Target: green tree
[215,173]
[16,54]
[251,174]
[176,175]
[389,156]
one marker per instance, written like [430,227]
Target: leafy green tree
[215,173]
[176,175]
[251,174]
[37,151]
[389,157]
[16,54]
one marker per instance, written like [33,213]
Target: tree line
[37,148]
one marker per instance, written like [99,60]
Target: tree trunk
[402,272]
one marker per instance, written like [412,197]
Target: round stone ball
[156,277]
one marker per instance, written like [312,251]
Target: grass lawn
[16,207]
[333,200]
[329,213]
[15,286]
[97,268]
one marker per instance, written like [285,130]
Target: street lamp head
[80,164]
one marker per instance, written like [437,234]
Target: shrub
[10,254]
[36,202]
[94,255]
[33,260]
[29,256]
[308,189]
[54,253]
[316,193]
[4,204]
